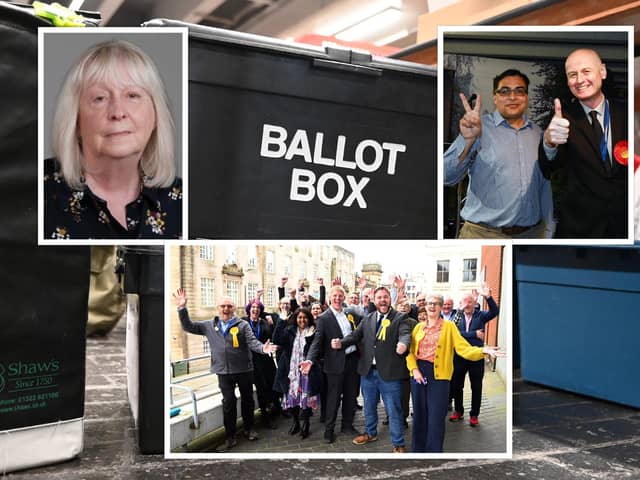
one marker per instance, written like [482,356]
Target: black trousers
[342,387]
[264,374]
[476,371]
[227,384]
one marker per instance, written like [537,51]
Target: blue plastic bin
[579,320]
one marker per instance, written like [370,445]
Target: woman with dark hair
[300,390]
[264,369]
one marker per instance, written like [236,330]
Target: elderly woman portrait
[113,175]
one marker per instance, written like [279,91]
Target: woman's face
[316,310]
[254,311]
[115,120]
[301,320]
[434,307]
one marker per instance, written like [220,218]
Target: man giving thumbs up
[581,139]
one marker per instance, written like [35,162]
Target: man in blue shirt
[507,197]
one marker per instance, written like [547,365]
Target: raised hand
[180,297]
[485,291]
[320,281]
[557,132]
[283,281]
[475,294]
[470,123]
[336,281]
[362,282]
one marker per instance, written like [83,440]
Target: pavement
[489,437]
[556,435]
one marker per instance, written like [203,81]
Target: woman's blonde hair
[102,62]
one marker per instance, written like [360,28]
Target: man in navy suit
[340,366]
[581,138]
[471,326]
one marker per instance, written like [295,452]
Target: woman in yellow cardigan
[430,362]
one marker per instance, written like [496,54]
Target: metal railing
[176,383]
[194,402]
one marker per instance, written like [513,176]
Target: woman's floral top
[80,214]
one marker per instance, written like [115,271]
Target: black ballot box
[42,354]
[144,286]
[302,142]
[44,289]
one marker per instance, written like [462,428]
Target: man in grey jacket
[384,337]
[230,341]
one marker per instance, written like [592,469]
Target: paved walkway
[556,436]
[488,437]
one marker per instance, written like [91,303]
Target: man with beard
[384,337]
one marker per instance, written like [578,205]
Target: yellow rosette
[383,330]
[351,321]
[234,334]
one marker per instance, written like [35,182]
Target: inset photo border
[74,214]
[584,193]
[215,274]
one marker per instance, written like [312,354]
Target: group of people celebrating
[329,350]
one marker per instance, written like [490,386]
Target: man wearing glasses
[507,197]
[230,340]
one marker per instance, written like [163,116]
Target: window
[469,269]
[252,261]
[232,291]
[206,292]
[442,275]
[270,296]
[206,348]
[252,290]
[270,262]
[206,252]
[232,257]
[303,270]
[287,266]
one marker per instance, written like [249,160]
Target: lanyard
[228,326]
[256,332]
[605,135]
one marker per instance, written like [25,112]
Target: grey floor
[556,436]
